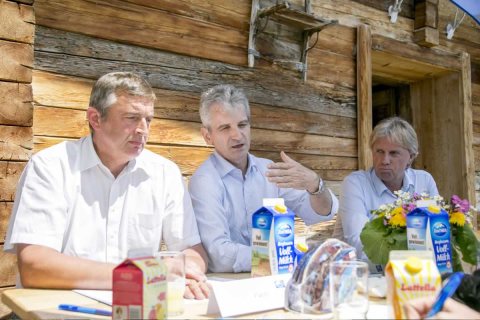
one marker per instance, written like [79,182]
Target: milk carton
[140,289]
[272,240]
[429,229]
[410,275]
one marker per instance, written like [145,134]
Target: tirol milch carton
[140,289]
[429,229]
[273,239]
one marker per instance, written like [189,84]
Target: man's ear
[206,136]
[94,118]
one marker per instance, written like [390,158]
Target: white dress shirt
[69,201]
[224,203]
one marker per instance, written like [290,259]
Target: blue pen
[447,291]
[69,307]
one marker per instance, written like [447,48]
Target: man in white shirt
[81,205]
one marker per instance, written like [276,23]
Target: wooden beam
[9,174]
[8,268]
[16,104]
[427,37]
[17,22]
[16,143]
[468,170]
[5,312]
[17,61]
[426,14]
[364,97]
[408,7]
[5,210]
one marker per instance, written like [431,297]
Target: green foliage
[456,263]
[467,242]
[379,240]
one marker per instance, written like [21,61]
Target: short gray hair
[105,89]
[398,131]
[231,98]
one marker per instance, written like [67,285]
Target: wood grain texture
[71,92]
[5,312]
[18,22]
[8,268]
[5,210]
[407,6]
[168,71]
[16,143]
[364,96]
[9,174]
[17,61]
[16,104]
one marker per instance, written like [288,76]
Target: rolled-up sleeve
[353,213]
[224,254]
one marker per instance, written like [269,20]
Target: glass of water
[349,289]
[175,262]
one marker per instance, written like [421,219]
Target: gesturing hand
[196,289]
[291,174]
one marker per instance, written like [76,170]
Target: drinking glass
[175,262]
[349,289]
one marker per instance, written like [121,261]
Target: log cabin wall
[16,116]
[183,47]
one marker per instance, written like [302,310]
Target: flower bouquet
[387,230]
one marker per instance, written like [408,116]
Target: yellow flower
[381,214]
[398,220]
[397,210]
[457,218]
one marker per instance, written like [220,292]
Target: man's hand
[419,308]
[291,174]
[193,271]
[196,290]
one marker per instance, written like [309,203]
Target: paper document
[104,296]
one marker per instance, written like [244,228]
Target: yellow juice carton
[410,275]
[273,239]
[140,289]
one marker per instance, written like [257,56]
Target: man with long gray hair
[229,186]
[82,205]
[394,146]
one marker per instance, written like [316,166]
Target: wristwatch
[321,188]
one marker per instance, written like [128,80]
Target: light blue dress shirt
[224,204]
[362,192]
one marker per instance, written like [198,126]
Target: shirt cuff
[309,216]
[243,263]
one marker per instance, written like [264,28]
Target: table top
[43,304]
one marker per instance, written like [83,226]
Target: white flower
[424,195]
[383,207]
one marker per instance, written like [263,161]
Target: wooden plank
[468,168]
[17,61]
[57,90]
[427,37]
[476,152]
[407,7]
[8,268]
[476,113]
[364,91]
[134,24]
[5,210]
[9,174]
[169,72]
[476,94]
[332,68]
[476,76]
[16,104]
[17,17]
[5,312]
[74,125]
[16,143]
[426,14]
[435,57]
[446,9]
[190,158]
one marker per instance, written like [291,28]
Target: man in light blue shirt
[230,185]
[394,147]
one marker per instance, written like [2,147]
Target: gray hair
[398,131]
[104,92]
[231,98]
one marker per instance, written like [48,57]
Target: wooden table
[43,304]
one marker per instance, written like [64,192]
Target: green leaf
[378,241]
[467,242]
[456,263]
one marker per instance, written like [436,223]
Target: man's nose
[235,134]
[143,127]
[386,159]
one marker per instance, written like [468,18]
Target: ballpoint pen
[69,307]
[447,291]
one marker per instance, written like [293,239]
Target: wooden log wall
[16,117]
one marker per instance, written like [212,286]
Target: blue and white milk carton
[273,239]
[429,229]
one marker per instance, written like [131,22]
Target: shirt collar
[89,157]
[380,187]
[224,167]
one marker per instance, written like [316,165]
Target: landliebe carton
[140,289]
[429,229]
[410,275]
[273,241]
